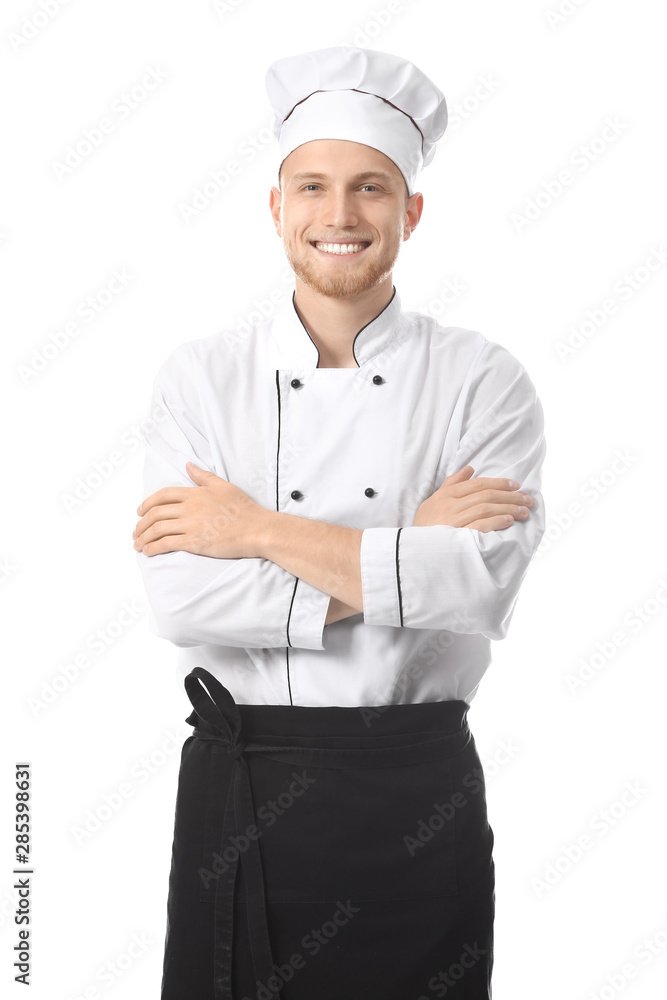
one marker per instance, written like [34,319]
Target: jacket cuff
[380,576]
[307,613]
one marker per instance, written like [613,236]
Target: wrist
[338,610]
[267,525]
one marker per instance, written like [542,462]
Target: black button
[378,379]
[296,495]
[370,492]
[295,383]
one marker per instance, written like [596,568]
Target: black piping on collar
[393,296]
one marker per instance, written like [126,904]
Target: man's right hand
[483,504]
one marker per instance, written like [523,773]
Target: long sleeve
[197,599]
[461,579]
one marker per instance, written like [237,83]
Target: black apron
[321,853]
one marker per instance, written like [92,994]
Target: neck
[333,323]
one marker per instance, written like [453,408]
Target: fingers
[518,510]
[498,497]
[492,517]
[168,494]
[160,529]
[461,484]
[484,483]
[471,496]
[159,513]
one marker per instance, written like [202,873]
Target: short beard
[344,284]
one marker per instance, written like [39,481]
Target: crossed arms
[234,573]
[226,523]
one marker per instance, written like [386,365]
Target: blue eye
[306,186]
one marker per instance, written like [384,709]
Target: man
[334,578]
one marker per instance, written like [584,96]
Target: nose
[339,210]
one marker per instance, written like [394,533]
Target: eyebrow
[368,174]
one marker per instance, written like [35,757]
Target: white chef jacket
[360,447]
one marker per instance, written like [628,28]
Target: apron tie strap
[219,710]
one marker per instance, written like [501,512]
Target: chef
[339,510]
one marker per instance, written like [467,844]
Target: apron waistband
[221,724]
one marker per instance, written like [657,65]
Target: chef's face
[336,191]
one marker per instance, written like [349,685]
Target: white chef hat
[362,95]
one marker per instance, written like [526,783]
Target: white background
[529,92]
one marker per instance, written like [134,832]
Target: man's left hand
[213,518]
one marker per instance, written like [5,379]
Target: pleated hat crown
[362,95]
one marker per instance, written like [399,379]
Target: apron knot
[236,751]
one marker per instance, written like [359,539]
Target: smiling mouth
[352,249]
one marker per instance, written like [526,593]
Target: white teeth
[340,248]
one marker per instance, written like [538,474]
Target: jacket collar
[298,349]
